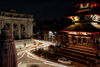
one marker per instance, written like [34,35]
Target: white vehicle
[64,60]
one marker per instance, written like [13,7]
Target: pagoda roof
[85,12]
[81,27]
[85,1]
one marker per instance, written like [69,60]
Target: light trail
[44,60]
[20,52]
[44,44]
[20,63]
[22,55]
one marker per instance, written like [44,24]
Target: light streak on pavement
[20,63]
[45,61]
[22,55]
[32,56]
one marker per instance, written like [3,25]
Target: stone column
[2,24]
[93,41]
[19,29]
[26,30]
[12,31]
[87,41]
[77,41]
[82,41]
[31,29]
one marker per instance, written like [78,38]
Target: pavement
[49,56]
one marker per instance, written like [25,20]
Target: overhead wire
[43,14]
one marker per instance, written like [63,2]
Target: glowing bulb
[76,18]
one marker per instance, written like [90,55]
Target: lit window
[94,17]
[76,18]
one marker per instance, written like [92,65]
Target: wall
[20,43]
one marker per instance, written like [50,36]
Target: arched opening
[84,41]
[89,42]
[75,40]
[79,40]
[15,32]
[50,35]
[15,26]
[70,39]
[8,25]
[97,40]
[22,31]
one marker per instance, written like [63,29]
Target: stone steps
[74,59]
[77,54]
[95,48]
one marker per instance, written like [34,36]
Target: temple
[86,27]
[8,53]
[83,34]
[20,25]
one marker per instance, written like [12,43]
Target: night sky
[41,9]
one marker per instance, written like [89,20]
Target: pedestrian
[74,42]
[24,44]
[20,48]
[90,63]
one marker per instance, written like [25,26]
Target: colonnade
[79,40]
[15,28]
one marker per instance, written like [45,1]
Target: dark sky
[41,9]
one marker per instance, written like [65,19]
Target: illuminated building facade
[8,53]
[83,34]
[86,27]
[55,36]
[20,25]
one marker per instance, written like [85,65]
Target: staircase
[83,55]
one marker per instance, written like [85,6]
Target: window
[8,25]
[97,40]
[22,26]
[89,42]
[70,39]
[15,26]
[84,41]
[85,5]
[79,40]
